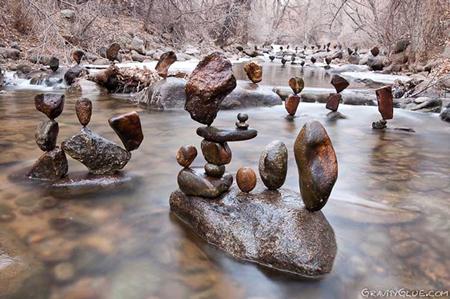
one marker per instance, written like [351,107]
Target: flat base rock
[271,228]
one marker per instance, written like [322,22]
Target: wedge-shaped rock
[339,83]
[317,165]
[128,128]
[98,154]
[164,62]
[271,228]
[193,181]
[50,166]
[210,82]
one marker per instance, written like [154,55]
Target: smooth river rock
[164,62]
[51,105]
[186,155]
[253,71]
[194,182]
[224,135]
[246,179]
[47,134]
[128,127]
[270,228]
[51,166]
[216,153]
[83,108]
[385,102]
[317,165]
[210,82]
[98,154]
[291,104]
[273,164]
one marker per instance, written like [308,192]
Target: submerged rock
[164,62]
[51,166]
[194,182]
[98,154]
[51,105]
[271,228]
[317,165]
[46,135]
[128,128]
[210,82]
[253,71]
[273,164]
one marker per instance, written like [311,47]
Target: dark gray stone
[51,165]
[250,95]
[46,135]
[216,171]
[271,228]
[98,154]
[445,115]
[222,135]
[273,164]
[194,182]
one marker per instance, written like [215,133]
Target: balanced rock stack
[334,99]
[273,165]
[253,71]
[385,101]
[210,82]
[291,104]
[98,154]
[52,165]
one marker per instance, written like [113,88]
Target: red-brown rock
[375,51]
[253,71]
[164,62]
[339,83]
[77,55]
[246,179]
[216,153]
[297,84]
[113,51]
[291,104]
[333,101]
[83,108]
[210,82]
[385,102]
[128,128]
[186,155]
[51,105]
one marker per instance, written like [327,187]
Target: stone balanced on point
[334,99]
[291,104]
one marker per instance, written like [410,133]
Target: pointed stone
[51,166]
[46,135]
[317,165]
[333,101]
[83,108]
[210,82]
[273,165]
[51,105]
[385,102]
[246,179]
[164,62]
[128,128]
[291,104]
[253,71]
[297,84]
[186,155]
[339,83]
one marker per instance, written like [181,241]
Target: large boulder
[270,228]
[138,45]
[21,274]
[245,96]
[210,82]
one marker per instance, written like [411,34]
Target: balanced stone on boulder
[46,135]
[210,82]
[52,165]
[194,182]
[339,83]
[291,104]
[128,128]
[265,227]
[83,108]
[273,164]
[164,62]
[51,105]
[317,165]
[246,179]
[297,84]
[186,155]
[213,170]
[253,71]
[223,135]
[333,101]
[216,153]
[98,154]
[385,102]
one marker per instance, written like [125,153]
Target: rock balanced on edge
[334,99]
[385,101]
[291,104]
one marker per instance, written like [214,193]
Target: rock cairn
[52,165]
[210,82]
[253,71]
[291,103]
[334,99]
[100,155]
[385,101]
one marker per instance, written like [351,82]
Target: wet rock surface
[98,154]
[246,179]
[21,274]
[194,182]
[216,153]
[83,108]
[270,228]
[164,62]
[215,171]
[46,135]
[51,165]
[245,96]
[51,105]
[128,128]
[73,73]
[273,164]
[224,135]
[253,71]
[210,82]
[316,163]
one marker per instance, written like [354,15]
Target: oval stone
[128,128]
[317,165]
[246,179]
[273,165]
[215,171]
[83,108]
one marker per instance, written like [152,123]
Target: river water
[389,208]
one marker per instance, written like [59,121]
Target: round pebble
[213,170]
[246,179]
